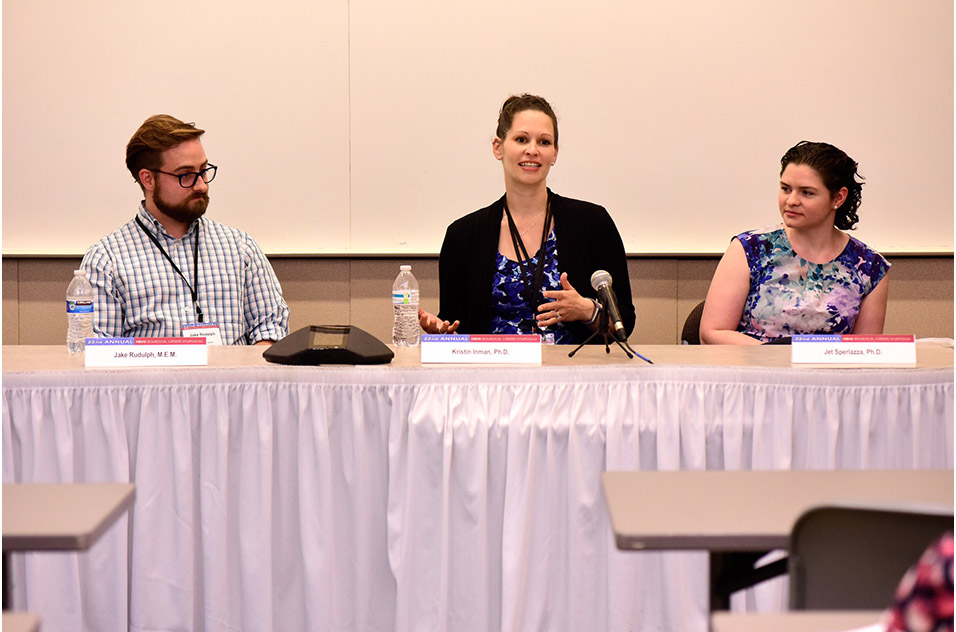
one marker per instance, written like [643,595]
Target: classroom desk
[402,497]
[58,517]
[804,621]
[733,514]
[61,517]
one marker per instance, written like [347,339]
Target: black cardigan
[587,241]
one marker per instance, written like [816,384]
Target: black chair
[690,334]
[853,557]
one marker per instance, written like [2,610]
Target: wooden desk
[20,622]
[60,517]
[749,512]
[806,621]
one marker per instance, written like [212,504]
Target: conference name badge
[209,331]
[852,349]
[481,349]
[146,352]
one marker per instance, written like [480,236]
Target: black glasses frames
[188,180]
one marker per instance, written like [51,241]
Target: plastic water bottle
[405,328]
[79,313]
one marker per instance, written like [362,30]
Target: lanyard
[194,288]
[534,274]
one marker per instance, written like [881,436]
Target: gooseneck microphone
[601,281]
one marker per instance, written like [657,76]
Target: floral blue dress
[511,312]
[790,295]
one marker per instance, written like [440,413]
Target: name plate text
[149,352]
[852,349]
[481,349]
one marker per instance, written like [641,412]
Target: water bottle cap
[405,268]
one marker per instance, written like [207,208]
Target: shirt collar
[148,219]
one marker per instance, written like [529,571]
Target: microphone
[601,281]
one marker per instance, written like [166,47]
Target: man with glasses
[172,272]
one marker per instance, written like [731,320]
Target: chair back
[853,557]
[690,334]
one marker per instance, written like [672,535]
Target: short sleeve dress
[790,295]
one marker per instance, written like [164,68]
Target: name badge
[481,349]
[852,349]
[209,331]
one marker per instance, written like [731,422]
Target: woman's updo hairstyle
[520,103]
[837,170]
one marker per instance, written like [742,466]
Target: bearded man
[170,271]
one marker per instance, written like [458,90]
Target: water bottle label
[79,307]
[401,298]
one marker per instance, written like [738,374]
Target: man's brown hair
[157,134]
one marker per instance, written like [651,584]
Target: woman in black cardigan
[523,264]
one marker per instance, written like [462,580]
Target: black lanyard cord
[194,288]
[534,274]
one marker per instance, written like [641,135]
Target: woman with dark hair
[806,276]
[523,264]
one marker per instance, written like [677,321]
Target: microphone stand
[604,330]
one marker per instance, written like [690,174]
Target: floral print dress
[790,295]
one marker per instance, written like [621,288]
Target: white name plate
[152,352]
[852,349]
[481,349]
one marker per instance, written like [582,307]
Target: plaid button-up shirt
[139,294]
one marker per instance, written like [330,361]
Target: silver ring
[558,314]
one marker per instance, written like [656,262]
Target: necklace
[533,224]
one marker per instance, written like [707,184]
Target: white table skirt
[387,498]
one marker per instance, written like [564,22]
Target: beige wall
[356,291]
[661,106]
